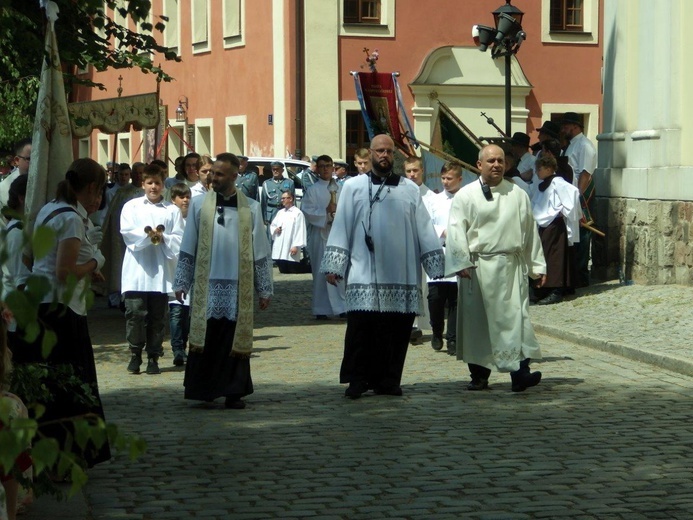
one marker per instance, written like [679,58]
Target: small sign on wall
[270,119]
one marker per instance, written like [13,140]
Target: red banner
[381,102]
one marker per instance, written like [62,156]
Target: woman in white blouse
[70,263]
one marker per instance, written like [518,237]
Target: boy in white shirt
[179,313]
[152,230]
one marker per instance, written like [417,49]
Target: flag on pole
[51,151]
[380,99]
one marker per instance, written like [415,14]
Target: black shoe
[179,359]
[135,363]
[356,389]
[436,343]
[153,366]
[521,381]
[554,297]
[321,317]
[234,404]
[343,316]
[452,348]
[477,384]
[415,336]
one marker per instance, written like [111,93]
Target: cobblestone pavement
[602,437]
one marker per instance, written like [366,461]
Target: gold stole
[243,338]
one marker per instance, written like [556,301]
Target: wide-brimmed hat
[571,118]
[520,139]
[550,128]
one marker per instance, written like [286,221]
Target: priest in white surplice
[224,255]
[288,231]
[493,245]
[319,210]
[380,237]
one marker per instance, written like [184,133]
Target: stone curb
[666,361]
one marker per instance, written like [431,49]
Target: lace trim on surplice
[383,298]
[334,260]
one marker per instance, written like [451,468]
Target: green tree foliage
[85,32]
[33,382]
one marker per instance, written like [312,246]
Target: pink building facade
[272,77]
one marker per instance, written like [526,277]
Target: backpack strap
[56,212]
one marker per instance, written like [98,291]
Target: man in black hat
[582,157]
[519,145]
[549,130]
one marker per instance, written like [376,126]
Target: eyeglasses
[25,158]
[220,213]
[383,151]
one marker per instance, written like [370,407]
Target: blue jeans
[179,322]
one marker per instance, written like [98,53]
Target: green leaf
[44,453]
[81,432]
[48,342]
[42,242]
[78,478]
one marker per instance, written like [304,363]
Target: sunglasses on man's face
[220,215]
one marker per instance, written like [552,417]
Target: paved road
[601,437]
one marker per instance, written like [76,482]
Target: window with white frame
[362,11]
[370,18]
[172,30]
[204,137]
[199,18]
[103,149]
[123,155]
[570,21]
[233,23]
[120,20]
[235,134]
[84,147]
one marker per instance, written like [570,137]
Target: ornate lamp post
[504,40]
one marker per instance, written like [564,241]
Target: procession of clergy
[383,249]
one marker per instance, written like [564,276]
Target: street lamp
[504,40]
[182,110]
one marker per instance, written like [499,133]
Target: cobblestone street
[600,437]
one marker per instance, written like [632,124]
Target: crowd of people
[189,250]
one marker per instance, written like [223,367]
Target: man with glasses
[381,236]
[224,255]
[22,160]
[319,205]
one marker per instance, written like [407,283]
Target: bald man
[380,238]
[492,245]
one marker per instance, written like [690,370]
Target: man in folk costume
[493,245]
[224,254]
[319,206]
[582,157]
[556,209]
[380,237]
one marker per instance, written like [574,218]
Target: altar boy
[152,230]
